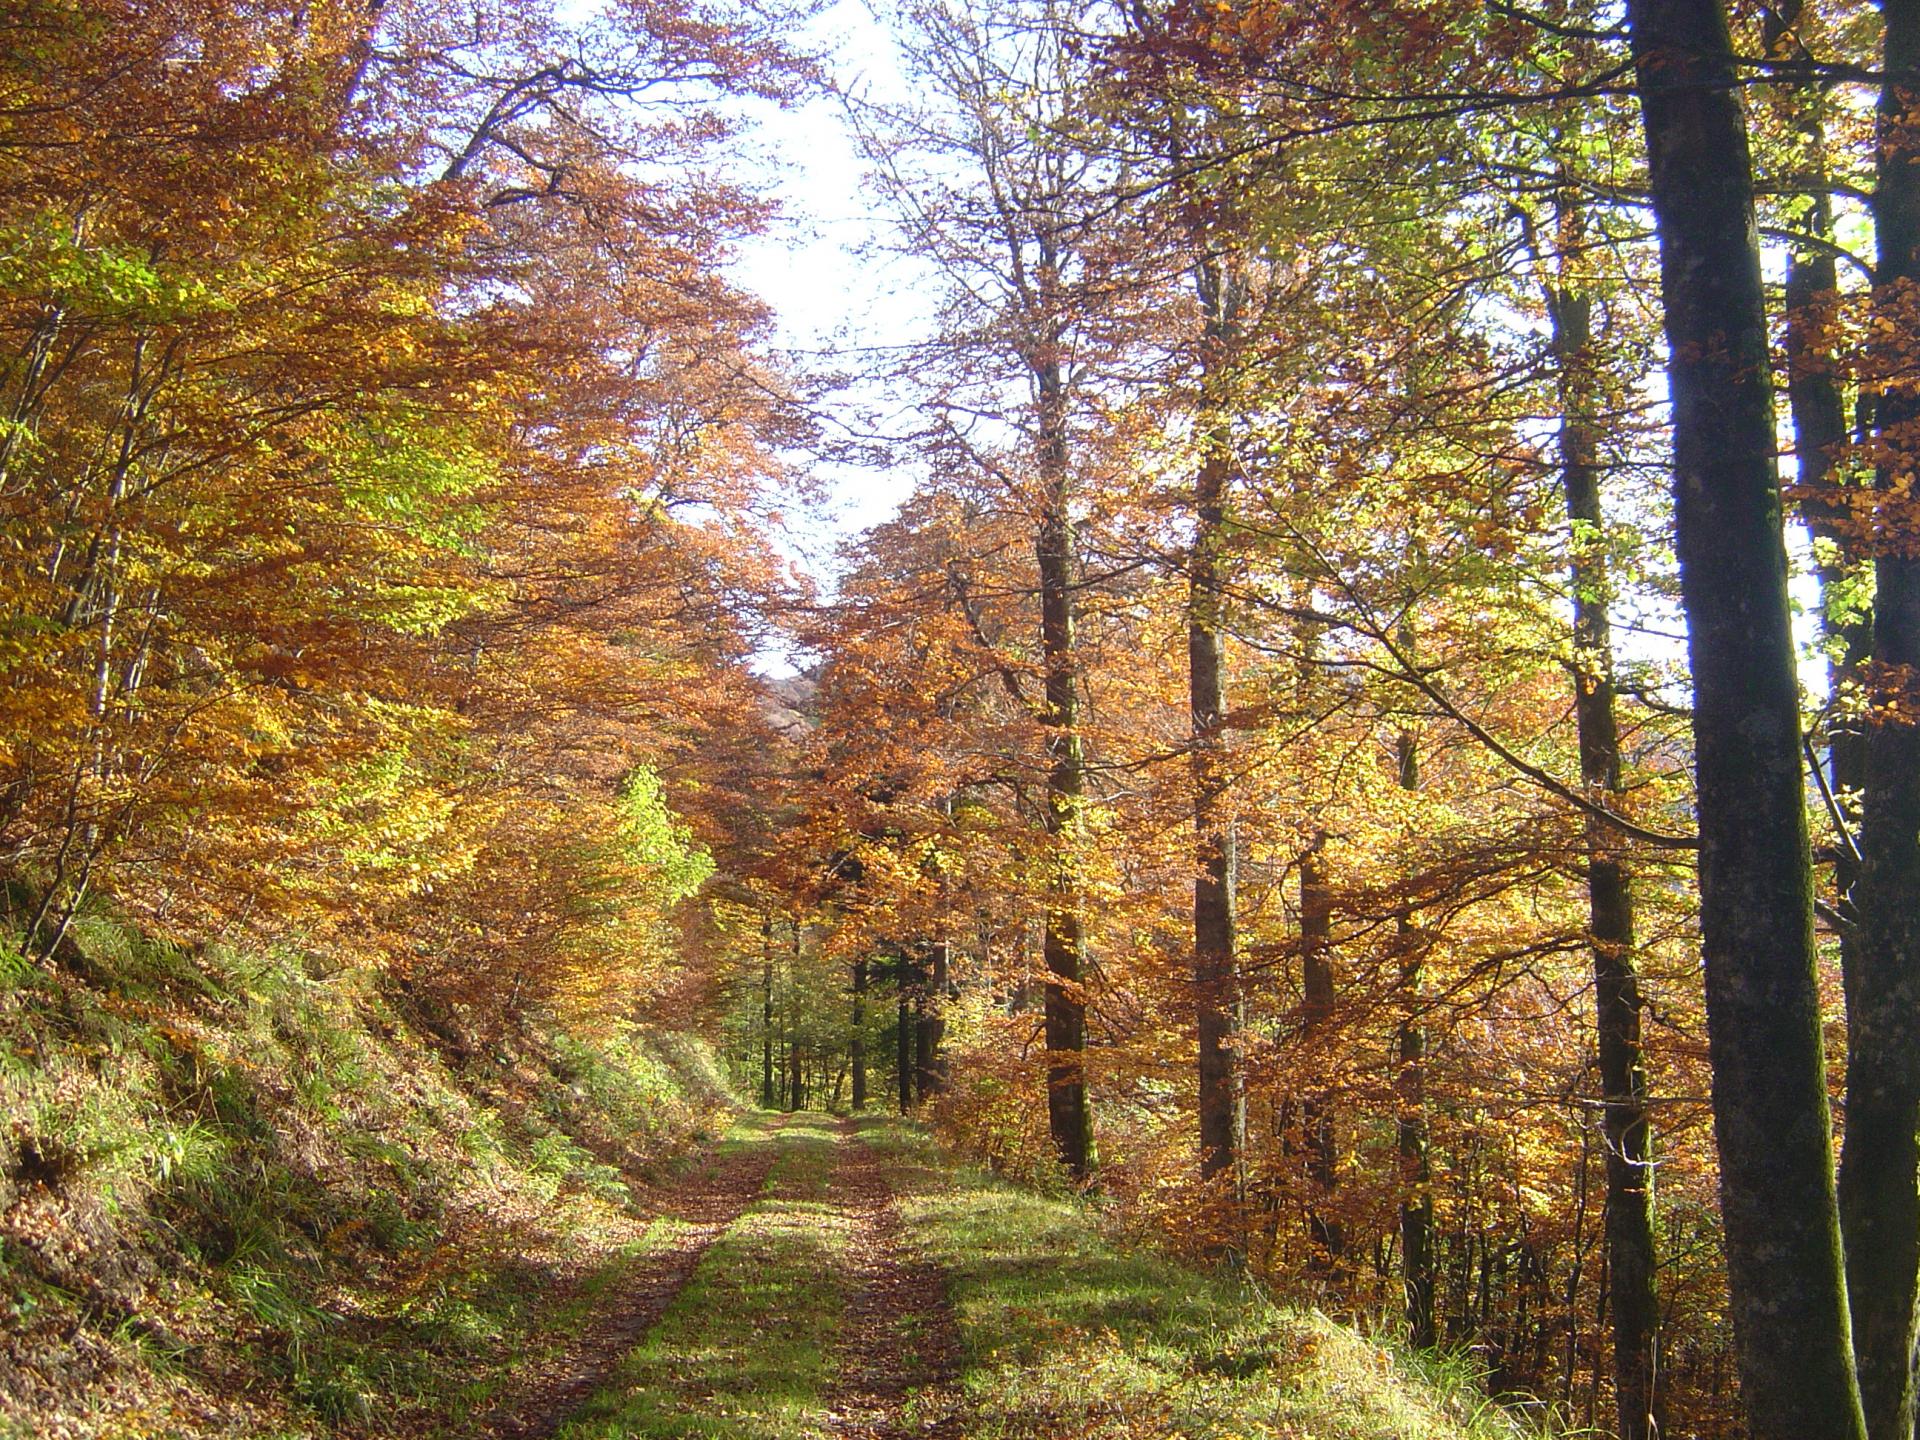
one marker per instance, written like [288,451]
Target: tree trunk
[1069,1118]
[1410,1121]
[1877,1151]
[857,1050]
[1817,408]
[1880,1159]
[903,1043]
[1219,1003]
[1623,1079]
[930,1029]
[768,1097]
[1771,1119]
[922,1043]
[1318,993]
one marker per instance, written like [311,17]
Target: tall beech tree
[1219,997]
[1880,1158]
[1784,1264]
[1631,1256]
[1017,216]
[1412,1135]
[1581,392]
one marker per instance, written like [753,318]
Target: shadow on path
[703,1204]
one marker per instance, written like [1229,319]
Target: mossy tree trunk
[1218,1000]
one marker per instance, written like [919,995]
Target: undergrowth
[241,1194]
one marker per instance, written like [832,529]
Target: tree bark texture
[1069,1117]
[1219,1005]
[1880,1156]
[1771,1118]
[1411,1137]
[1317,1111]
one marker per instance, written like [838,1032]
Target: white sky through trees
[824,268]
[827,267]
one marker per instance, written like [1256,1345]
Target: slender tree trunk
[1410,1122]
[922,1043]
[1771,1120]
[1219,1002]
[903,1044]
[1318,994]
[1880,1158]
[1631,1266]
[1069,1117]
[931,1024]
[797,1056]
[768,1099]
[1877,1207]
[1817,406]
[857,1050]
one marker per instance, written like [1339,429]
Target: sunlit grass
[1064,1333]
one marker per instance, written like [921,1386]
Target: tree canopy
[1381,742]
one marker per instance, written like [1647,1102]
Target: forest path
[869,1288]
[899,1353]
[805,1319]
[693,1213]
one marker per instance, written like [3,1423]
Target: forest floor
[841,1278]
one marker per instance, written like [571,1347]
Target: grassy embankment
[243,1196]
[1065,1332]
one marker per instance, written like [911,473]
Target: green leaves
[47,256]
[414,471]
[657,841]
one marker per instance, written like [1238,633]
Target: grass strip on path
[1065,1334]
[587,1336]
[745,1350]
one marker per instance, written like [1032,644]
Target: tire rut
[899,1351]
[707,1202]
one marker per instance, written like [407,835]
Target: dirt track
[898,1342]
[708,1201]
[895,1349]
